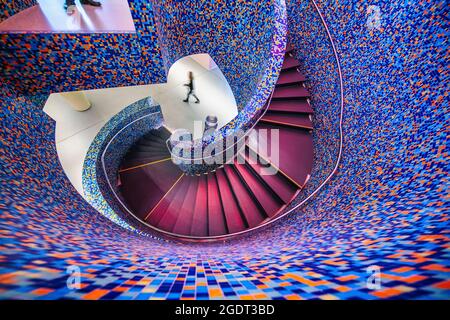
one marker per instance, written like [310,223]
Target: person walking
[69,5]
[190,85]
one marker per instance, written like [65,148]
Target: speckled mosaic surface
[387,206]
[10,8]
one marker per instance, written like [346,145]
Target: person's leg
[91,3]
[187,97]
[195,96]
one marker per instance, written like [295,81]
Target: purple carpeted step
[136,154]
[291,91]
[290,76]
[156,213]
[142,152]
[143,187]
[282,186]
[152,142]
[290,119]
[154,148]
[153,138]
[150,147]
[199,225]
[293,105]
[161,133]
[170,217]
[290,62]
[295,150]
[216,218]
[130,163]
[264,195]
[249,208]
[234,219]
[185,216]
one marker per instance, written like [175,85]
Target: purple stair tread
[152,143]
[295,151]
[134,156]
[161,133]
[143,187]
[153,139]
[294,105]
[156,214]
[152,148]
[138,154]
[216,218]
[290,62]
[290,76]
[131,163]
[235,222]
[142,153]
[199,225]
[291,91]
[264,195]
[250,210]
[295,119]
[282,186]
[169,218]
[184,220]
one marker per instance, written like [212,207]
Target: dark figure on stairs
[190,85]
[70,7]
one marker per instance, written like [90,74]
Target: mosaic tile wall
[387,206]
[9,8]
[45,63]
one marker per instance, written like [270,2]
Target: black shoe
[91,3]
[185,100]
[198,101]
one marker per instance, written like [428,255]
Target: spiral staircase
[237,196]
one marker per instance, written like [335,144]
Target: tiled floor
[49,16]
